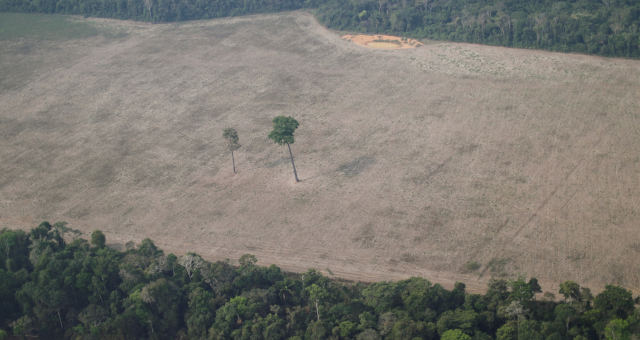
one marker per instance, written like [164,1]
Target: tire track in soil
[543,204]
[556,189]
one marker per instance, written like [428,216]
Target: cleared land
[413,162]
[385,42]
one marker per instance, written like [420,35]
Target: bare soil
[385,42]
[414,162]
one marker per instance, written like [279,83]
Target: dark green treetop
[231,136]
[283,129]
[98,239]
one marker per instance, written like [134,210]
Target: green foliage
[607,27]
[614,302]
[455,334]
[570,290]
[382,296]
[283,129]
[231,137]
[471,267]
[508,331]
[589,26]
[53,289]
[14,250]
[156,11]
[463,320]
[200,312]
[368,334]
[316,295]
[98,239]
[247,261]
[520,291]
[617,329]
[233,314]
[347,328]
[530,330]
[424,301]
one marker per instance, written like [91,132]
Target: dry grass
[413,162]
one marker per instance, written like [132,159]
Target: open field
[413,162]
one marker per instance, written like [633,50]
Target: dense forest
[156,10]
[52,288]
[603,27]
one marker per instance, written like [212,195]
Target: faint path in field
[555,190]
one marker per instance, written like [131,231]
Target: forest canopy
[55,285]
[602,27]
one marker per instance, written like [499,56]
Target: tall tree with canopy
[283,129]
[231,136]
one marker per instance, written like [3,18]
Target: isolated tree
[231,136]
[283,129]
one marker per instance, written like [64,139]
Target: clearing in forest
[456,162]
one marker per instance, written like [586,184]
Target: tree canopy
[283,130]
[50,288]
[603,27]
[231,137]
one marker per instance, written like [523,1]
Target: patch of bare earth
[384,42]
[455,162]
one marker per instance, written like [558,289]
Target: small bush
[471,266]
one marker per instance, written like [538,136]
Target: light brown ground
[413,162]
[384,42]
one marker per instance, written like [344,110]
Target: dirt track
[413,162]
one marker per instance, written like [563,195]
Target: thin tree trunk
[295,173]
[60,319]
[317,311]
[233,160]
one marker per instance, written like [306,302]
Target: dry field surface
[413,162]
[385,42]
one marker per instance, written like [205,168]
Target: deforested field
[455,162]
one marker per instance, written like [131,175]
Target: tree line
[56,285]
[603,27]
[156,10]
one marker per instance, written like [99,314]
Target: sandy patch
[384,42]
